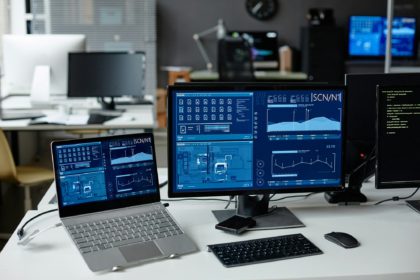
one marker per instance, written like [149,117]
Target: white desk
[134,117]
[389,235]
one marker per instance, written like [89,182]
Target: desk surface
[134,117]
[259,75]
[388,233]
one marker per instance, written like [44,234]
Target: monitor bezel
[391,184]
[249,86]
[91,207]
[381,57]
[72,94]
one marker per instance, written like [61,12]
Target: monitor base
[347,196]
[277,218]
[414,204]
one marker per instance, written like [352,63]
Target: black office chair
[235,60]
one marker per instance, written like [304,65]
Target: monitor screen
[367,36]
[105,170]
[398,138]
[361,112]
[264,47]
[106,74]
[254,139]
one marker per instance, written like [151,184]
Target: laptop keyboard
[116,232]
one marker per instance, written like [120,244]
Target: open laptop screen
[105,173]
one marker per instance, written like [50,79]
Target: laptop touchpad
[142,251]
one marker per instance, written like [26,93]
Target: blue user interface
[367,36]
[105,170]
[258,140]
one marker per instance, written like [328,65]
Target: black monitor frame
[246,86]
[102,98]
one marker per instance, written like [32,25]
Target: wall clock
[262,9]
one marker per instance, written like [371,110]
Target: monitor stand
[414,204]
[352,194]
[257,208]
[108,106]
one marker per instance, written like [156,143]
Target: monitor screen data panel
[255,141]
[367,36]
[398,143]
[107,170]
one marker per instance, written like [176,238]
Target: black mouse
[343,239]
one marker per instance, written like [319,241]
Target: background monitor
[107,74]
[367,36]
[23,53]
[254,139]
[398,138]
[264,45]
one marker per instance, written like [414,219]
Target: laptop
[109,202]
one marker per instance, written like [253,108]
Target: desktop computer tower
[323,49]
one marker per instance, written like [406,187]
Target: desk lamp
[220,30]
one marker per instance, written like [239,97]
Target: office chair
[26,176]
[235,60]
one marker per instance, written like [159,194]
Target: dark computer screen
[106,74]
[361,112]
[264,47]
[398,141]
[254,140]
[105,170]
[367,36]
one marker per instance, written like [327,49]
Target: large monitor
[264,45]
[22,54]
[241,139]
[398,138]
[367,37]
[360,130]
[398,141]
[107,74]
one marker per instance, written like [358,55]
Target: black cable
[396,198]
[294,196]
[197,199]
[161,185]
[20,233]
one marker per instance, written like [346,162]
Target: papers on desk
[63,119]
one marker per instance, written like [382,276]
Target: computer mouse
[342,239]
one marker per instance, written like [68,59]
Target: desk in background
[388,234]
[134,117]
[205,75]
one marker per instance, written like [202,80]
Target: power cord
[164,183]
[21,232]
[293,196]
[396,198]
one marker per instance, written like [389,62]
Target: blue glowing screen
[257,140]
[367,36]
[105,170]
